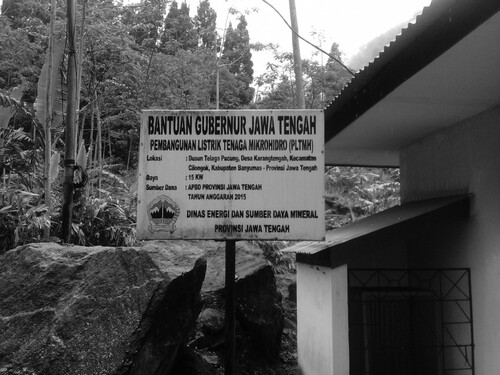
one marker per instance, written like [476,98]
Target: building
[415,289]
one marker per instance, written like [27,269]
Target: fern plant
[22,219]
[107,215]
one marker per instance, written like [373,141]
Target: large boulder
[98,310]
[259,312]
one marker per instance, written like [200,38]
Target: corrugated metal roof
[400,42]
[396,37]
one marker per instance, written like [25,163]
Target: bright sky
[350,23]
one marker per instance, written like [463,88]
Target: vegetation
[276,87]
[152,54]
[352,193]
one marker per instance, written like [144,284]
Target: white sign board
[241,174]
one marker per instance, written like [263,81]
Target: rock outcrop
[99,310]
[259,314]
[148,310]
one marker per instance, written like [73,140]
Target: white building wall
[322,321]
[464,158]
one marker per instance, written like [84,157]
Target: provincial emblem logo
[163,213]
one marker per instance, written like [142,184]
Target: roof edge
[337,248]
[440,26]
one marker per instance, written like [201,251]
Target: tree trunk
[92,141]
[70,136]
[109,141]
[129,148]
[48,118]
[79,73]
[98,147]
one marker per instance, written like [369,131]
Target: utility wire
[308,42]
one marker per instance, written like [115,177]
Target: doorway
[410,322]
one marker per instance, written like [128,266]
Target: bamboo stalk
[70,149]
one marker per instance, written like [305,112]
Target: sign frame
[231,175]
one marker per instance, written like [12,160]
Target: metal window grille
[410,321]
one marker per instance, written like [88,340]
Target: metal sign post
[230,352]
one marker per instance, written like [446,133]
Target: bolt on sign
[231,175]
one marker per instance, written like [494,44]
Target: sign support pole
[229,360]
